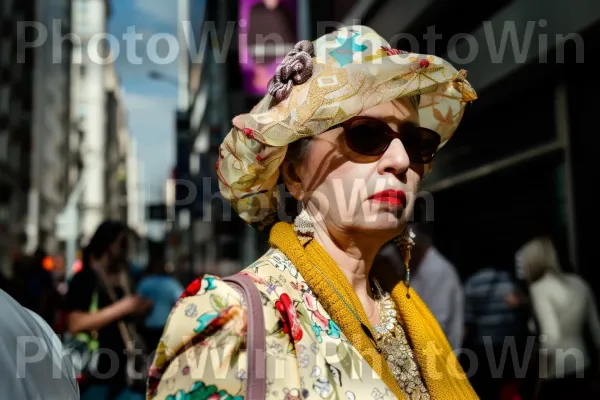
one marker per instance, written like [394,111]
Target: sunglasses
[371,137]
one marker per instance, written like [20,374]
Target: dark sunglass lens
[420,143]
[430,141]
[367,137]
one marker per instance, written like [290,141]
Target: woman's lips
[394,197]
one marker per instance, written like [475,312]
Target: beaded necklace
[393,344]
[390,340]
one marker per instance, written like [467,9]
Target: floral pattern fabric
[202,354]
[353,69]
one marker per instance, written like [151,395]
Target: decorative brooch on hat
[295,69]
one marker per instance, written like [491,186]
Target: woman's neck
[354,260]
[102,263]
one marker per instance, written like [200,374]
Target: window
[4,98]
[194,164]
[5,47]
[73,175]
[77,56]
[3,146]
[14,157]
[8,5]
[82,111]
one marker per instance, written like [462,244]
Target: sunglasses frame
[347,125]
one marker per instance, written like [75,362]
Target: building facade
[116,149]
[89,108]
[16,94]
[34,122]
[218,240]
[136,203]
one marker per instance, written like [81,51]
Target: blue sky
[150,104]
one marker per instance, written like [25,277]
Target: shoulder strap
[94,302]
[123,329]
[256,341]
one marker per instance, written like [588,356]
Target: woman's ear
[291,178]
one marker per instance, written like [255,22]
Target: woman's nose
[394,160]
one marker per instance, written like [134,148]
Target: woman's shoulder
[210,305]
[201,302]
[83,275]
[578,284]
[82,281]
[210,300]
[273,263]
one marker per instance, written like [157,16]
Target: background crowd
[524,327]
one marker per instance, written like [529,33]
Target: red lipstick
[395,197]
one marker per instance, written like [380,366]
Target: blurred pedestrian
[163,290]
[436,280]
[31,357]
[42,296]
[102,272]
[496,331]
[564,305]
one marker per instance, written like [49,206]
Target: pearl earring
[304,227]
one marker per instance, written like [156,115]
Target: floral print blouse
[202,354]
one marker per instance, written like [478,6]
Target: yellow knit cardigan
[439,366]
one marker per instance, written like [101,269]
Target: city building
[116,149]
[136,204]
[66,159]
[89,108]
[34,122]
[15,128]
[221,82]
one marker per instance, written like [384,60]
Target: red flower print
[293,394]
[203,284]
[192,288]
[254,277]
[311,303]
[291,325]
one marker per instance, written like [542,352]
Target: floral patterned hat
[321,84]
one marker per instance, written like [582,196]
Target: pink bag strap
[256,340]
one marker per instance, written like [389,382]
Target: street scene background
[114,110]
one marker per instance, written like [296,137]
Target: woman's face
[118,249]
[271,4]
[343,189]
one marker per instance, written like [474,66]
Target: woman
[563,305]
[330,127]
[102,259]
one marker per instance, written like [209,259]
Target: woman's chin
[384,223]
